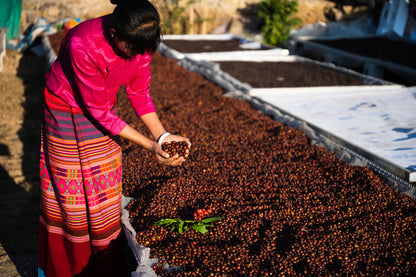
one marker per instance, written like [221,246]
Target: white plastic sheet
[141,253]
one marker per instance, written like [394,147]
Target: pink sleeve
[92,89]
[138,89]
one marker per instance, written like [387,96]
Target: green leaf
[180,228]
[210,220]
[200,228]
[166,221]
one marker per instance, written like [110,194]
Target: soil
[21,87]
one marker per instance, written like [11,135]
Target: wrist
[162,137]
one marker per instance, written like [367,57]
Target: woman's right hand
[164,158]
[161,156]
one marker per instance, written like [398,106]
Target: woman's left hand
[177,138]
[163,157]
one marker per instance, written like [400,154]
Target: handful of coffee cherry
[175,147]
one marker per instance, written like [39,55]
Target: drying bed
[399,51]
[286,74]
[210,43]
[267,68]
[209,47]
[382,57]
[287,207]
[273,73]
[197,46]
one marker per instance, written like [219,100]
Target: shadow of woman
[18,234]
[20,202]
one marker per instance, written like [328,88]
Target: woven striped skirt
[80,169]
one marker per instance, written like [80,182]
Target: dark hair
[137,22]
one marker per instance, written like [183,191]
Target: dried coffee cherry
[175,147]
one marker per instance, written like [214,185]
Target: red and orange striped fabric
[80,170]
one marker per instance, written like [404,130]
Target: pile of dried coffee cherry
[287,207]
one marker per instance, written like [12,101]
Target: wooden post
[2,46]
[191,19]
[204,28]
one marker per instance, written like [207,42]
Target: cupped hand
[164,158]
[177,138]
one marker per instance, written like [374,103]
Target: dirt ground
[21,86]
[21,83]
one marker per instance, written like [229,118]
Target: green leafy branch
[277,20]
[181,226]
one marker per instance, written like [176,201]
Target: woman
[80,168]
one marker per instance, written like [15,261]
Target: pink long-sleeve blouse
[88,73]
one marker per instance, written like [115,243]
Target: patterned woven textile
[80,169]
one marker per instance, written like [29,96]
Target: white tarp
[381,120]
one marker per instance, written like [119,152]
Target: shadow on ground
[19,202]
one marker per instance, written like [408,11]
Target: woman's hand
[164,158]
[177,138]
